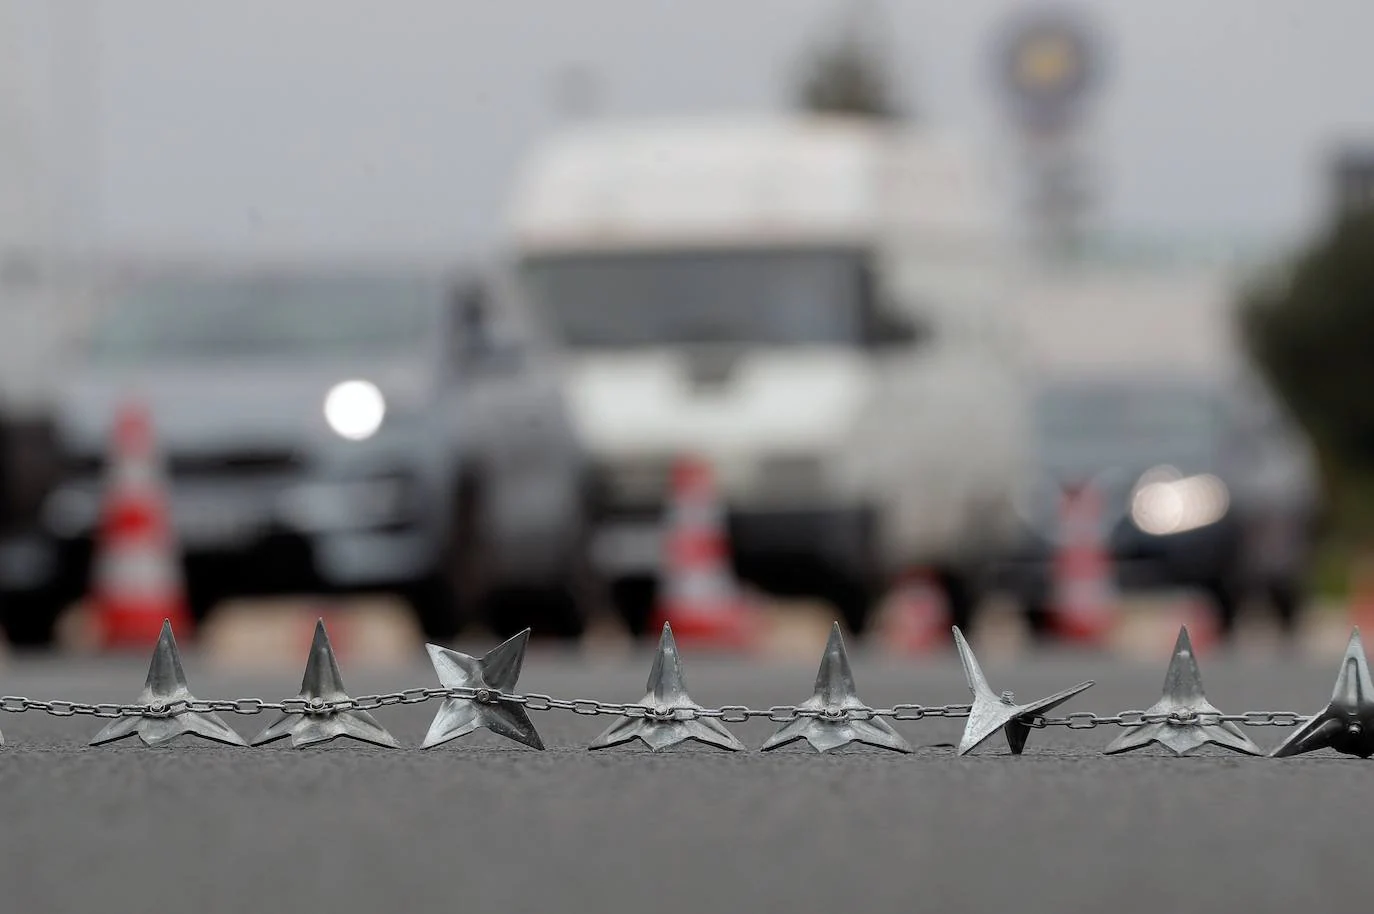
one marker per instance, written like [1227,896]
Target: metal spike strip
[1183,702]
[496,672]
[1346,724]
[166,683]
[479,693]
[992,712]
[665,726]
[835,695]
[323,683]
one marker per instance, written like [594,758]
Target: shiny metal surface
[835,695]
[496,671]
[1183,700]
[323,683]
[166,683]
[1346,724]
[666,726]
[992,712]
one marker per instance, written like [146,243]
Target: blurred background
[1045,319]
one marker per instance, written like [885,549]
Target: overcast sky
[351,125]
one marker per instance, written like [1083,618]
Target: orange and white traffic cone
[1204,631]
[916,617]
[1361,599]
[137,578]
[699,594]
[1084,603]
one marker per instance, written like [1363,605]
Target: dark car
[1202,484]
[344,429]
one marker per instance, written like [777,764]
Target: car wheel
[633,599]
[30,617]
[1286,598]
[203,593]
[961,596]
[1035,609]
[853,598]
[553,611]
[1226,600]
[447,598]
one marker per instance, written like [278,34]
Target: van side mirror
[478,344]
[891,329]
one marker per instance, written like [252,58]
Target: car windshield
[1093,427]
[732,297]
[249,316]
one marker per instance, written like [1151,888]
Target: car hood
[658,402]
[210,406]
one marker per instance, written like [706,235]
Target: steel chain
[1086,720]
[590,707]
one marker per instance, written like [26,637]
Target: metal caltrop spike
[992,712]
[833,697]
[166,683]
[1183,699]
[665,727]
[1346,724]
[497,671]
[322,683]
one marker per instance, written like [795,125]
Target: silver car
[340,430]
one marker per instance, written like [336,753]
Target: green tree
[1311,331]
[849,71]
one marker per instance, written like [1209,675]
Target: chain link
[1086,720]
[590,707]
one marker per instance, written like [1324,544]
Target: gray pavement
[486,825]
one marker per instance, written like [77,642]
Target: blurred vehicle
[31,305]
[344,430]
[1203,483]
[809,303]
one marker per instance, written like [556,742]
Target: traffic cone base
[916,616]
[1084,605]
[136,574]
[700,597]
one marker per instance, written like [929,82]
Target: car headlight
[355,409]
[1165,502]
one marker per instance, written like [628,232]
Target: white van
[813,304]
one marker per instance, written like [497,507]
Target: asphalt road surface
[483,825]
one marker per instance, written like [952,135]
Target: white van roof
[729,181]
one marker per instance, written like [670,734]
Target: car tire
[1286,598]
[853,598]
[1225,597]
[1035,610]
[554,611]
[449,596]
[633,599]
[203,593]
[30,617]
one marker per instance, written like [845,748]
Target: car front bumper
[836,537]
[276,534]
[1139,561]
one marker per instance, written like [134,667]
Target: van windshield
[248,316]
[701,297]
[1090,427]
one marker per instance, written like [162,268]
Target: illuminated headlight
[355,409]
[1165,502]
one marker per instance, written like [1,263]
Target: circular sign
[1047,64]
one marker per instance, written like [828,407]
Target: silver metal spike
[992,712]
[666,728]
[165,684]
[323,682]
[834,695]
[1184,699]
[1346,724]
[496,671]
